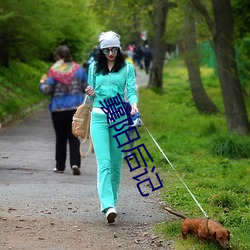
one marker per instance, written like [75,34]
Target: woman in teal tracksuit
[109,76]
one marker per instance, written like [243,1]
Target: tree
[201,99]
[159,44]
[28,33]
[127,17]
[223,38]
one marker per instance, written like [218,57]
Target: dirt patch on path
[50,234]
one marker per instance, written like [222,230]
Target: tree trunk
[235,109]
[159,46]
[201,99]
[223,38]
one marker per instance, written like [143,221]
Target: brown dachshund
[204,229]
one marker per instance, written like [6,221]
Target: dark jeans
[62,122]
[147,65]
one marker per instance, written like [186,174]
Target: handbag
[81,126]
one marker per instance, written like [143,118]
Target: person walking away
[129,60]
[139,56]
[92,56]
[66,83]
[147,54]
[109,76]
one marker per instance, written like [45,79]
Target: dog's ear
[214,235]
[228,237]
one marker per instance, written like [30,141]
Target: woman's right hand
[90,91]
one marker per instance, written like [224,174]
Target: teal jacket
[107,86]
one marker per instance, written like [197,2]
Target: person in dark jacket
[147,54]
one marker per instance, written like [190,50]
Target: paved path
[30,190]
[141,78]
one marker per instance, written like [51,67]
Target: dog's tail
[175,213]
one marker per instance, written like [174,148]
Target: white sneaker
[76,170]
[58,171]
[111,214]
[130,156]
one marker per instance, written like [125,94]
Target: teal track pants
[109,159]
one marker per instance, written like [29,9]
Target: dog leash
[175,171]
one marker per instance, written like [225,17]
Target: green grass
[19,88]
[214,164]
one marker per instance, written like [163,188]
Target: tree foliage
[28,33]
[175,25]
[241,18]
[242,35]
[126,17]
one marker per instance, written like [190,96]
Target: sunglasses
[106,51]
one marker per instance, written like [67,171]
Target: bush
[19,88]
[231,146]
[224,200]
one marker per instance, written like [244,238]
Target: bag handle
[85,99]
[87,137]
[91,148]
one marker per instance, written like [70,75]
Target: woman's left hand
[90,91]
[134,109]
